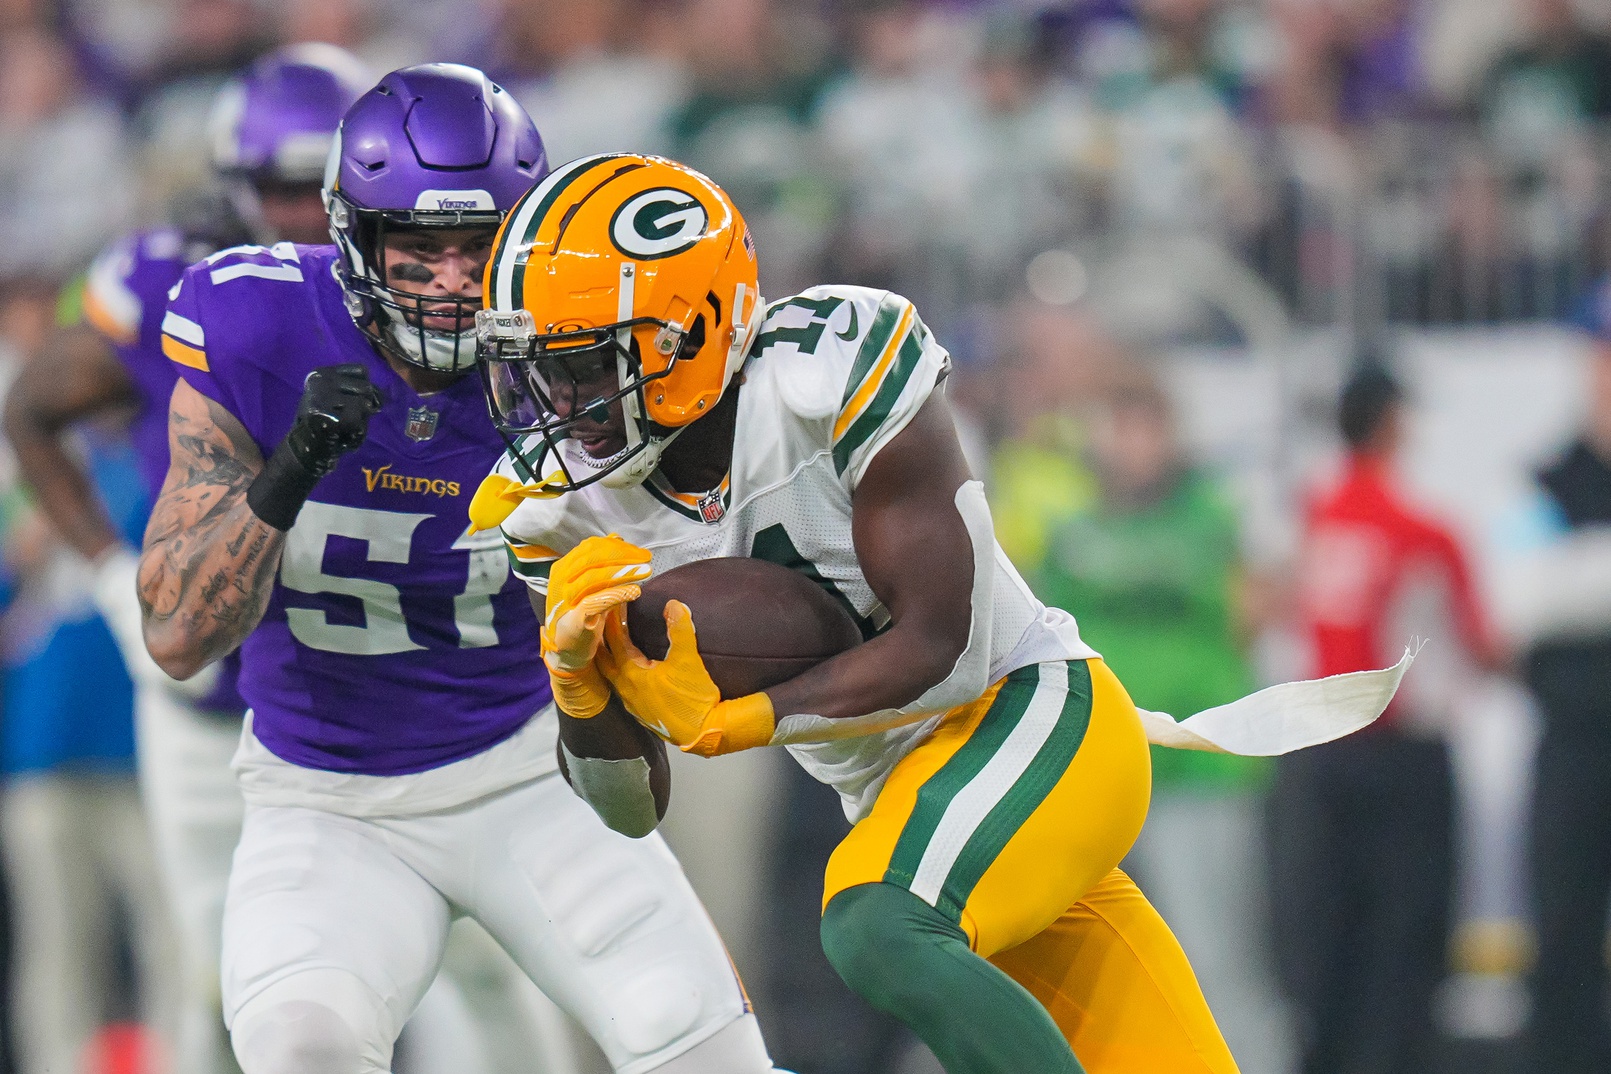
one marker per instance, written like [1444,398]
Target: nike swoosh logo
[850,332]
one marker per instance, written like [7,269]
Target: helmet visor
[553,383]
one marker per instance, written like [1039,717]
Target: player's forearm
[73,377]
[891,671]
[616,767]
[204,584]
[61,488]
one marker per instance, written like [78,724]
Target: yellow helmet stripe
[509,259]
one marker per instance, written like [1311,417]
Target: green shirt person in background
[1150,564]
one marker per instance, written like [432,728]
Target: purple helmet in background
[433,146]
[271,126]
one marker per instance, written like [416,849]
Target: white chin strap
[629,474]
[444,352]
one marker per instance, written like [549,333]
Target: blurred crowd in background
[1159,237]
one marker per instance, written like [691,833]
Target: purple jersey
[393,642]
[125,295]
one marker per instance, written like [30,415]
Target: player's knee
[879,937]
[735,1049]
[299,1037]
[292,1028]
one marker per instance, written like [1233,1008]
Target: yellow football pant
[1011,820]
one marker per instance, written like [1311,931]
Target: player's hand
[589,584]
[597,576]
[333,415]
[675,697]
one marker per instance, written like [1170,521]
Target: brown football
[759,623]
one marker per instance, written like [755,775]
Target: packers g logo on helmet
[658,223]
[624,270]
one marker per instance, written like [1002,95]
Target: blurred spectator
[1560,611]
[955,173]
[1036,394]
[211,40]
[1553,82]
[754,70]
[597,76]
[1362,854]
[64,183]
[887,127]
[78,858]
[1346,64]
[1152,569]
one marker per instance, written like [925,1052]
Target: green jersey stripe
[988,840]
[883,327]
[884,400]
[529,570]
[937,793]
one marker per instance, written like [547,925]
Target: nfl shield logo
[710,507]
[421,423]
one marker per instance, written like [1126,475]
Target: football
[759,623]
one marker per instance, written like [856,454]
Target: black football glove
[333,416]
[331,420]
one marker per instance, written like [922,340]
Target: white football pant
[335,925]
[194,811]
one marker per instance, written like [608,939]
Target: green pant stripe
[990,838]
[938,790]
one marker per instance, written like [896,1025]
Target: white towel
[1285,717]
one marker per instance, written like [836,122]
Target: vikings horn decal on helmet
[433,146]
[273,124]
[621,279]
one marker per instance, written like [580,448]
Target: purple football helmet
[433,146]
[271,126]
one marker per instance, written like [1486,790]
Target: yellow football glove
[587,586]
[675,697]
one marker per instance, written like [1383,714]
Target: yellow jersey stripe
[869,387]
[531,553]
[692,499]
[185,354]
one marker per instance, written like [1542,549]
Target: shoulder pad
[279,262]
[859,361]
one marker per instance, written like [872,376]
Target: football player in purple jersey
[398,760]
[271,131]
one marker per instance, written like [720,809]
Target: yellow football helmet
[619,277]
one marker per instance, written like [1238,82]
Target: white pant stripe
[974,802]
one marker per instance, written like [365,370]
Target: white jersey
[833,375]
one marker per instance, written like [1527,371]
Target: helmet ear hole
[693,341]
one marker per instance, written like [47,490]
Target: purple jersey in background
[392,643]
[125,296]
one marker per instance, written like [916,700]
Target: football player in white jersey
[995,769]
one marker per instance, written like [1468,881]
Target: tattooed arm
[209,560]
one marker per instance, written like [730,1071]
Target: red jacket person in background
[1362,847]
